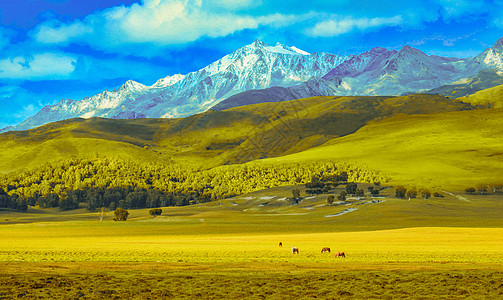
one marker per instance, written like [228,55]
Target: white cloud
[236,4]
[338,25]
[56,32]
[156,22]
[48,65]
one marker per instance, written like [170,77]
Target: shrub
[400,192]
[481,188]
[359,193]
[121,214]
[330,200]
[470,190]
[438,195]
[412,194]
[425,193]
[155,212]
[342,196]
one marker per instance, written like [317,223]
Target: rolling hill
[449,150]
[492,97]
[212,138]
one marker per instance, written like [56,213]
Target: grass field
[230,249]
[453,150]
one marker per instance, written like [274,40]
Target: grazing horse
[340,254]
[295,250]
[280,244]
[325,249]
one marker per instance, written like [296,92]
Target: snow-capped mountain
[254,66]
[490,58]
[390,72]
[294,74]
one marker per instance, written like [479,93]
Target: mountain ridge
[297,73]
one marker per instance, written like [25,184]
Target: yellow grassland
[452,150]
[491,97]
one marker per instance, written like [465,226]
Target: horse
[295,250]
[325,249]
[340,254]
[280,244]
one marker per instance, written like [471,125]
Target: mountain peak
[132,86]
[258,43]
[378,50]
[499,43]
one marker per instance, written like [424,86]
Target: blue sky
[68,49]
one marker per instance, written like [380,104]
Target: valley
[185,188]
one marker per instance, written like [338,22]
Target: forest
[111,182]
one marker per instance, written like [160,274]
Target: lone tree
[425,193]
[330,200]
[342,196]
[296,196]
[121,214]
[412,194]
[155,212]
[400,192]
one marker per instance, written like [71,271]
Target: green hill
[213,138]
[492,97]
[452,150]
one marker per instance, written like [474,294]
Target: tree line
[111,182]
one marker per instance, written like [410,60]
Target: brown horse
[295,250]
[325,249]
[340,254]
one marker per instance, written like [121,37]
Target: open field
[230,249]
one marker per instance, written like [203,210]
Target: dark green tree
[470,190]
[121,214]
[330,200]
[425,193]
[400,192]
[412,194]
[342,196]
[351,188]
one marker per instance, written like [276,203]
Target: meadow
[230,249]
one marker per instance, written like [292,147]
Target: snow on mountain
[253,66]
[390,72]
[260,66]
[168,81]
[491,58]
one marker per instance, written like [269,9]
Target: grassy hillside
[213,138]
[492,97]
[485,79]
[453,150]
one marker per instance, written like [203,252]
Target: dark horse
[340,254]
[325,249]
[280,244]
[295,250]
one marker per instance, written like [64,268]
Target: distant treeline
[110,182]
